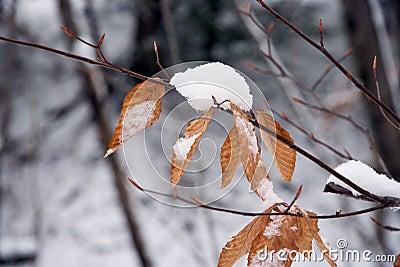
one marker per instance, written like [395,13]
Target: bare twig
[328,69]
[294,199]
[355,124]
[262,36]
[386,227]
[378,91]
[86,60]
[311,135]
[328,55]
[321,36]
[159,63]
[196,202]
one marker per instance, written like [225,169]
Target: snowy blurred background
[63,204]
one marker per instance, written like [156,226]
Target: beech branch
[101,61]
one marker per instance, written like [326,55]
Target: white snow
[21,244]
[135,119]
[265,190]
[274,227]
[183,146]
[214,79]
[367,178]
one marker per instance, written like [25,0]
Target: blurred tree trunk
[149,24]
[92,92]
[363,37]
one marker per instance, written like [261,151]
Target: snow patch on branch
[266,191]
[367,178]
[214,79]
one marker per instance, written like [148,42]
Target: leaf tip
[109,152]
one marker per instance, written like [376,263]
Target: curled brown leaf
[140,109]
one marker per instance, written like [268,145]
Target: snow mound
[266,190]
[214,79]
[367,178]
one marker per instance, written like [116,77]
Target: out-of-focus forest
[63,204]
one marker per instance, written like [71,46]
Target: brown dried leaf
[293,234]
[397,262]
[240,244]
[305,242]
[280,234]
[313,227]
[284,156]
[250,152]
[245,133]
[187,145]
[229,157]
[140,109]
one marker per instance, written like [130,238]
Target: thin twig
[284,117]
[294,199]
[86,60]
[321,36]
[386,227]
[325,52]
[355,124]
[159,63]
[254,214]
[328,69]
[378,91]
